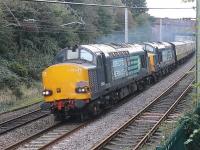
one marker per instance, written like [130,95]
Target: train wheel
[140,87]
[96,110]
[83,116]
[154,78]
[60,116]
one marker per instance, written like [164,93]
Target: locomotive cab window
[86,55]
[149,48]
[73,55]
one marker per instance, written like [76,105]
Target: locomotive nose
[65,81]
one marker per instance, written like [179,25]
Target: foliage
[192,129]
[6,35]
[193,142]
[8,78]
[143,28]
[191,122]
[105,24]
[32,33]
[19,69]
[17,92]
[136,3]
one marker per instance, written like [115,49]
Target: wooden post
[198,50]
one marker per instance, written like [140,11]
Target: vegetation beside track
[18,104]
[9,102]
[186,134]
[31,35]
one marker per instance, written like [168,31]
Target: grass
[12,105]
[9,102]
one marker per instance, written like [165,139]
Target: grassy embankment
[9,101]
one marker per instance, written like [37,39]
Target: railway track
[21,108]
[169,125]
[22,120]
[136,131]
[47,137]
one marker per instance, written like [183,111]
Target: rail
[147,120]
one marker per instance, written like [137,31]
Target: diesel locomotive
[89,78]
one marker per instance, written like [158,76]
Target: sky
[171,13]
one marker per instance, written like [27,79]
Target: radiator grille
[93,81]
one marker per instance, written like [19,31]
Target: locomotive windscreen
[71,55]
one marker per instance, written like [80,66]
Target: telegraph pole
[198,51]
[161,29]
[126,23]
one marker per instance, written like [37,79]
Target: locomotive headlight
[47,93]
[82,89]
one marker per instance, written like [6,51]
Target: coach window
[86,55]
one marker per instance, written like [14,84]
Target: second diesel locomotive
[89,78]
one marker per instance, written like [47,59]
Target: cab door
[101,70]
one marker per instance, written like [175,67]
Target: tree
[136,3]
[105,21]
[6,35]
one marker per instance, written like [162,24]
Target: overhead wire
[51,27]
[102,5]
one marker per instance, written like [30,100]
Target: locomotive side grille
[93,81]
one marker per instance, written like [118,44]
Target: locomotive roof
[135,48]
[191,42]
[178,43]
[166,44]
[183,42]
[109,48]
[95,48]
[158,45]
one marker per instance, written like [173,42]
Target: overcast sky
[171,13]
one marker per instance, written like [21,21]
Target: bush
[193,142]
[19,69]
[191,122]
[34,73]
[8,78]
[11,82]
[17,92]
